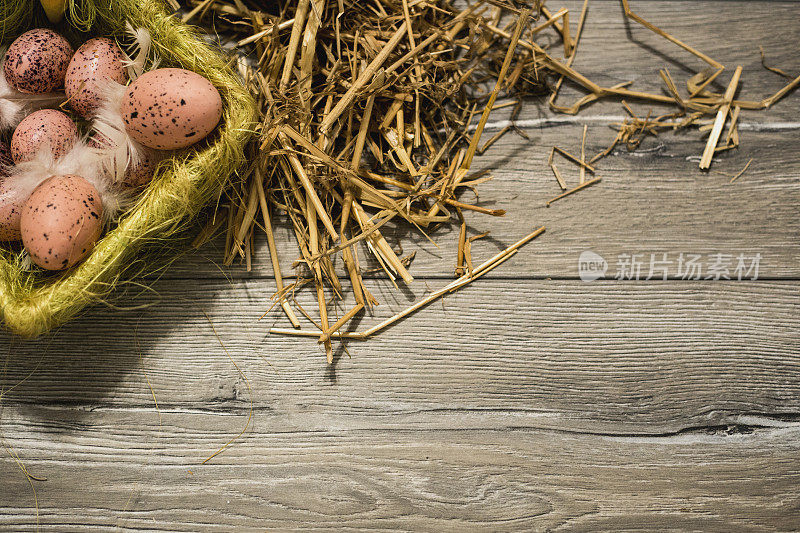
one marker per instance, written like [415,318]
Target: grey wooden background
[528,401]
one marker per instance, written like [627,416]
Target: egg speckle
[10,210]
[42,128]
[9,207]
[95,61]
[36,61]
[170,108]
[61,221]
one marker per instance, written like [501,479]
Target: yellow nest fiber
[35,302]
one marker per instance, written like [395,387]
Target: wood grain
[614,49]
[131,470]
[599,357]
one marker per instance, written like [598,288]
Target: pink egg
[36,61]
[10,209]
[47,127]
[97,60]
[171,108]
[135,176]
[61,221]
[141,174]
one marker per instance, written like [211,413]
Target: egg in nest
[9,207]
[95,62]
[171,108]
[47,127]
[61,221]
[36,62]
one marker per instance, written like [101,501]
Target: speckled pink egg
[61,221]
[97,60]
[171,108]
[135,176]
[36,61]
[141,174]
[47,127]
[10,210]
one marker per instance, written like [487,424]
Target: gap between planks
[752,425]
[610,119]
[495,277]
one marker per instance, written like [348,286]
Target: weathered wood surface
[127,469]
[645,358]
[521,403]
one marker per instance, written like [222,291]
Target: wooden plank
[653,201]
[603,356]
[135,471]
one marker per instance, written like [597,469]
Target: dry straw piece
[33,302]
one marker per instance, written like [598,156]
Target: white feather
[136,62]
[109,128]
[82,160]
[11,111]
[121,151]
[26,263]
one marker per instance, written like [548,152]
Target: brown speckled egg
[141,174]
[61,221]
[95,61]
[36,61]
[10,210]
[47,126]
[171,108]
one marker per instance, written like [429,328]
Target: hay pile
[373,111]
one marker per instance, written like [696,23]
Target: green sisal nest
[33,302]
